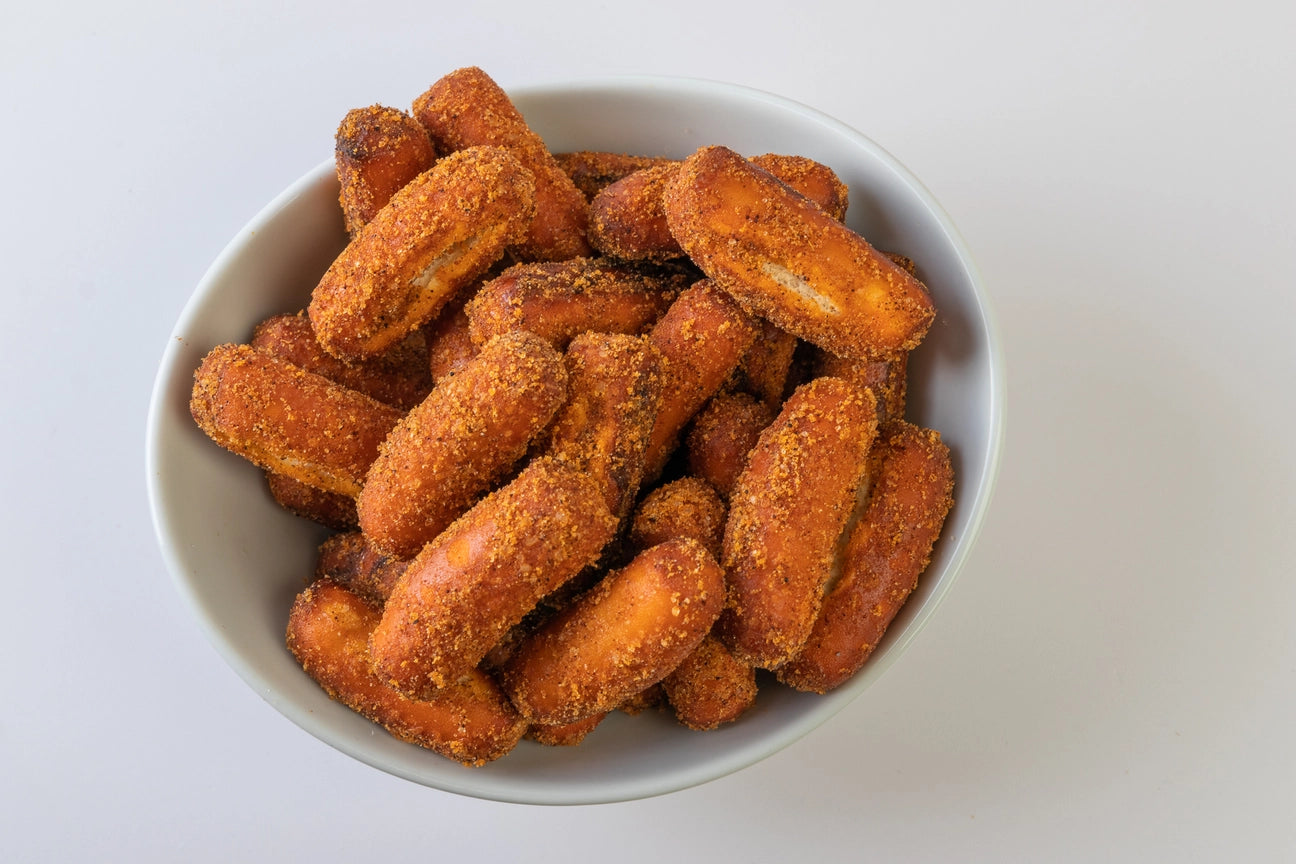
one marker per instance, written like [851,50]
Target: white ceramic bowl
[238,559]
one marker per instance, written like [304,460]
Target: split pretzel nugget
[787,260]
[438,233]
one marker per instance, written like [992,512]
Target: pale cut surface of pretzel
[888,549]
[626,633]
[377,151]
[470,430]
[469,721]
[787,260]
[466,108]
[786,515]
[481,575]
[439,232]
[282,418]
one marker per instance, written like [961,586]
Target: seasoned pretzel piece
[887,551]
[468,721]
[710,687]
[702,336]
[787,260]
[351,560]
[591,170]
[626,633]
[467,434]
[763,370]
[558,300]
[450,345]
[564,734]
[481,575]
[886,376]
[330,509]
[722,435]
[398,376]
[615,384]
[687,507]
[786,514]
[439,232]
[466,109]
[628,216]
[282,418]
[377,150]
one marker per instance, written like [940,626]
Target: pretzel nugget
[591,170]
[564,734]
[722,435]
[558,300]
[888,550]
[711,687]
[438,233]
[450,346]
[886,376]
[330,509]
[398,376]
[687,507]
[787,260]
[626,633]
[352,561]
[764,369]
[702,336]
[467,434]
[468,721]
[377,150]
[282,418]
[628,216]
[467,108]
[786,514]
[485,572]
[616,387]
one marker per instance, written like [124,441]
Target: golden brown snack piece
[702,336]
[450,345]
[564,734]
[687,507]
[904,262]
[886,376]
[466,109]
[626,633]
[438,233]
[786,514]
[628,216]
[282,418]
[890,546]
[466,435]
[378,150]
[591,170]
[787,260]
[763,370]
[351,560]
[711,687]
[558,300]
[812,179]
[722,435]
[481,575]
[645,700]
[330,509]
[469,721]
[398,376]
[615,384]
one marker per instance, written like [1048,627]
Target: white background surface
[1113,677]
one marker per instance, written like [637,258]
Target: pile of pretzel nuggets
[593,431]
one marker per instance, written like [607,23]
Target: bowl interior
[239,560]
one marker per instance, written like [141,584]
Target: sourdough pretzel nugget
[625,634]
[330,509]
[786,515]
[787,260]
[352,561]
[438,233]
[282,418]
[687,507]
[468,721]
[377,151]
[470,430]
[466,109]
[888,549]
[481,575]
[592,170]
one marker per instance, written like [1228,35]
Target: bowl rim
[737,758]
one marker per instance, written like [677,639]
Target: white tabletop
[1112,678]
